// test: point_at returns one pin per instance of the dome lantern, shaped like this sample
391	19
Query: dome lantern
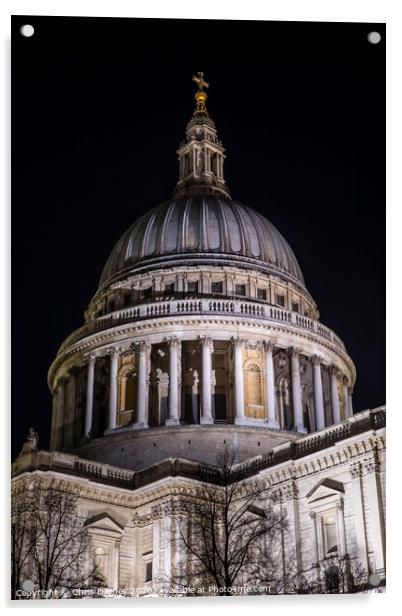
201	155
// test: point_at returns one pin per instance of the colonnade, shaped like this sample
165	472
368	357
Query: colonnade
143	350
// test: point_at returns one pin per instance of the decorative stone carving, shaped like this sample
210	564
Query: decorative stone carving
31	444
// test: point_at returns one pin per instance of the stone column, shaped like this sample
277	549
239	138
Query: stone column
314	519
58	427
116	564
69	417
270	386
53	432
355	497
336	415
174	346
144	348
341	530
291	544
373	511
90	396
180	282
156	552
238	380
114	362
296	392
346	398
167	547
350	403
318	397
206	391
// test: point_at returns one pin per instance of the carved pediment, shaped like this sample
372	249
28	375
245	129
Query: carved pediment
104	522
325	489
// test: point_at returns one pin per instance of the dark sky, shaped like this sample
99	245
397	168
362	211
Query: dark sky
99	108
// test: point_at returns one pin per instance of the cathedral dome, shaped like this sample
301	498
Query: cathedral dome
201	333
202	228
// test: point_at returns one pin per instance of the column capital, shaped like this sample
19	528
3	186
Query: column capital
268	346
356	470
206	341
294	352
316	360
114	351
64	379
339	505
173	343
370	466
334	370
345	380
143	346
89	359
313	515
238	343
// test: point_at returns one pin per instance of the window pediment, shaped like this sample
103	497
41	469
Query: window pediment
104	522
325	489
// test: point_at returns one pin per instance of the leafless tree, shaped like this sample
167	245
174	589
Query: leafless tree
229	536
50	546
334	575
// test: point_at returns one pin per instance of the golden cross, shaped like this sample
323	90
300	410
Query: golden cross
200	81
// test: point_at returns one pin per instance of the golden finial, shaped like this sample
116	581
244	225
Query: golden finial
200	96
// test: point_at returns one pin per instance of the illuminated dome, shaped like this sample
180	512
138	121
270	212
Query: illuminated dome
201	334
206	229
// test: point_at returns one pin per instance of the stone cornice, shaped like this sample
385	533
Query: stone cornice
139	328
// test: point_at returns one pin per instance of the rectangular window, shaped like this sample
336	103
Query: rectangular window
192	287
147	293
280	300
169	288
148	571
217	287
261	294
240	289
329	534
295	306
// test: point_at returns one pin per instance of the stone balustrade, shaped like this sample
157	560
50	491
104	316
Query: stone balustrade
362	422
205	306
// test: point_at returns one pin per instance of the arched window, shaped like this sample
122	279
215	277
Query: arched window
127	395
253	388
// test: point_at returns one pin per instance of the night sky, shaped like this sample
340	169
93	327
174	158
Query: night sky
99	108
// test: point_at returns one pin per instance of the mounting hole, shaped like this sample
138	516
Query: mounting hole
374	37
27	30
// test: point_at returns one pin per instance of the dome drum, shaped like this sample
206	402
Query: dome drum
198	373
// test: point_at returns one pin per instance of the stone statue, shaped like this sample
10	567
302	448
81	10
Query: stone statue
31	444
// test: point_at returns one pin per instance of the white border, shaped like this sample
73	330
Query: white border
388	11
